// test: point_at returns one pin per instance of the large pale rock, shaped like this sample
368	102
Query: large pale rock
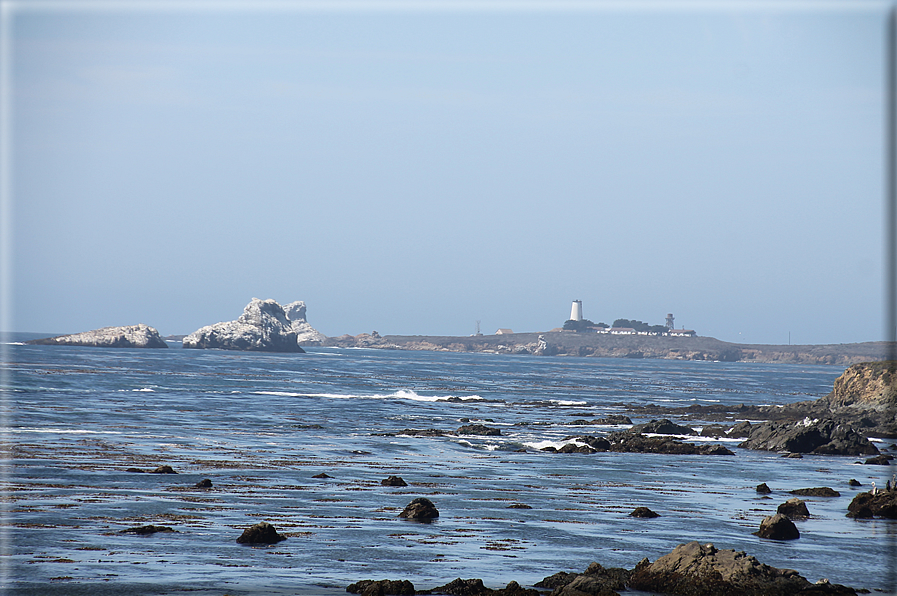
701	570
306	335
129	336
263	327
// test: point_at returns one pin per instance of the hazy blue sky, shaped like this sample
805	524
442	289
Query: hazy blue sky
414	171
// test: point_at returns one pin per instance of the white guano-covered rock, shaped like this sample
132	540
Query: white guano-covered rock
306	335
263	327
129	336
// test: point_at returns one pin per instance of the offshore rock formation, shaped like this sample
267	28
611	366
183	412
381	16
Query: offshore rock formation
130	336
263	327
810	436
306	335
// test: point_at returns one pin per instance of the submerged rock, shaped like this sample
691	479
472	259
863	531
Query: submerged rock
420	509
819	491
164	470
777	527
204	483
260	533
643	512
393	481
130	336
763	489
148	530
263	327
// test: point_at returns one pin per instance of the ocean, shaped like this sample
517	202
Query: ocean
262	426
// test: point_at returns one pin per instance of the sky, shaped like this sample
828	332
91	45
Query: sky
414	168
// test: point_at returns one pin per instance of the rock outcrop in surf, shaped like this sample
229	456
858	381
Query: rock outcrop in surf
263	327
129	336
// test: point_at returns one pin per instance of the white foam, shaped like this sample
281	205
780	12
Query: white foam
567	402
63	431
400	394
145	390
547	443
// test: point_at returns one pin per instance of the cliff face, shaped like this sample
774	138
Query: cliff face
865	385
262	327
129	336
306	335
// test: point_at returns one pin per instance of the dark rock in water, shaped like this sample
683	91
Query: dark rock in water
322	475
809	436
204	483
164	470
518	506
136	471
420	509
662	427
561	578
643	512
793	456
130	336
777	527
147	530
879	460
423	432
383	587
629	442
260	533
478	429
475	587
820	491
701	570
853	482
742	430
866	505
714	430
794	509
393	481
595	581
263	326
606	421
763	489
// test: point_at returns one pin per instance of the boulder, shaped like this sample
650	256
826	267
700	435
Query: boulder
595	581
383	587
820	436
853	482
420	509
393	481
130	336
164	470
777	527
763	489
794	508
643	512
478	429
204	483
742	430
322	475
306	335
701	570
662	427
263	327
878	460
866	505
260	533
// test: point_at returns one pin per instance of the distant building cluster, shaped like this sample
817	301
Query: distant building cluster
668	329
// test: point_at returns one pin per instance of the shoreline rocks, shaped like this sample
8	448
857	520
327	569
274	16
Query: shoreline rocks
263	327
817	436
129	336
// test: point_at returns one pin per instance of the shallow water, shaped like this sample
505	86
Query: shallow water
260	426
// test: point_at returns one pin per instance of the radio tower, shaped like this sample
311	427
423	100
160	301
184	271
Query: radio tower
670	321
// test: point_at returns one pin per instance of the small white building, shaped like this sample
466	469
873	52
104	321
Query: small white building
622	331
504	332
681	333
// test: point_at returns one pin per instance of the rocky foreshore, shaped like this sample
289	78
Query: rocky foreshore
129	336
690	569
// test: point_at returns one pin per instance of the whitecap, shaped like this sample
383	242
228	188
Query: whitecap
144	390
567	402
547	443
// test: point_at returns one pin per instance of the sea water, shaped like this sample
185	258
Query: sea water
261	426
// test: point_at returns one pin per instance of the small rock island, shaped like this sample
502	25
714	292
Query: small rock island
130	336
264	326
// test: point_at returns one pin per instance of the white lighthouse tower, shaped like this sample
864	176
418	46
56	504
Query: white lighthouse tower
576	311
